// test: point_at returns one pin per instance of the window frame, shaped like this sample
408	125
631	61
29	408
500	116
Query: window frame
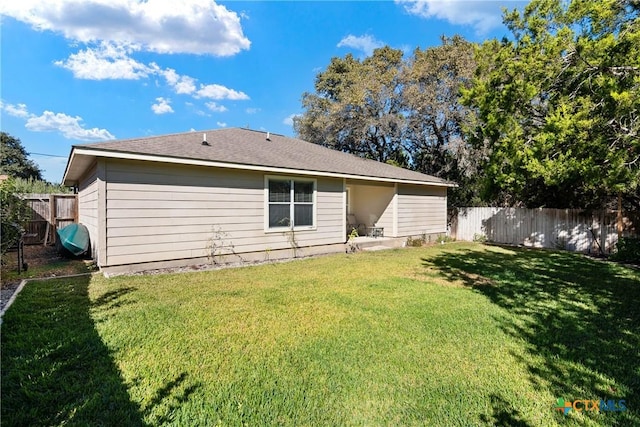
292	203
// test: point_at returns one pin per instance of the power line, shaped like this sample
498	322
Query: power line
46	155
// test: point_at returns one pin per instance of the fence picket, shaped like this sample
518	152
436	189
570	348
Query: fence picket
548	228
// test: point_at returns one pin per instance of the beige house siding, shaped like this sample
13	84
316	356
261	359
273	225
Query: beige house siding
88	206
157	212
421	209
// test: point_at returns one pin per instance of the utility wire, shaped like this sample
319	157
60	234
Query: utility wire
47	155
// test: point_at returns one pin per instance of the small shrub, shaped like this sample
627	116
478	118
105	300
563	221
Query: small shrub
351	243
219	245
479	238
415	242
31	185
445	239
628	250
14	214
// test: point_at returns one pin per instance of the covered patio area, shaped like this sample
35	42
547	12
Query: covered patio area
370	209
379	210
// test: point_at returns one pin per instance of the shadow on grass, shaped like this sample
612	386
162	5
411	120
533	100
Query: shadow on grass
112	299
56	368
579	318
504	414
169	398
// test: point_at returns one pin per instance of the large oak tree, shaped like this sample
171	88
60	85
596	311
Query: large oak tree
435	118
406	111
357	107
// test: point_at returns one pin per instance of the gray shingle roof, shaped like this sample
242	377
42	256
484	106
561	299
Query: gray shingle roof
248	147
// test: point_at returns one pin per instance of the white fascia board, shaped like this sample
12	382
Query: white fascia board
211	163
69	161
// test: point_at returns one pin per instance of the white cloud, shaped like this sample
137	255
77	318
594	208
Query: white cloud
108	61
181	84
252	110
366	44
69	127
162	106
19	110
289	119
221	124
215	107
215	91
482	15
163	26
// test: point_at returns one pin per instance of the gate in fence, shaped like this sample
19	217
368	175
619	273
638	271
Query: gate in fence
49	212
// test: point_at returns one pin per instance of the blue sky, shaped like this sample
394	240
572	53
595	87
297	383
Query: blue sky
78	71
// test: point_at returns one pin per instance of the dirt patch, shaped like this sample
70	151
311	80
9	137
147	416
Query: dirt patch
42	261
34	255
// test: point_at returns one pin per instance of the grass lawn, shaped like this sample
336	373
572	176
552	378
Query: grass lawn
459	334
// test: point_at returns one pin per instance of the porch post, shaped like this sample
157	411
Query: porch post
394	229
344	208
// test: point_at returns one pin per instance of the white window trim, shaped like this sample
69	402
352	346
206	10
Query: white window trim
312	227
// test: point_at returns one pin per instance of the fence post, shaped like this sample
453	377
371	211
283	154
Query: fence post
52	216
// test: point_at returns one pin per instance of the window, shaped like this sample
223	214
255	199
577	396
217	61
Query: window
290	198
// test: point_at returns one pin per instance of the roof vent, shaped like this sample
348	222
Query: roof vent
204	139
268	136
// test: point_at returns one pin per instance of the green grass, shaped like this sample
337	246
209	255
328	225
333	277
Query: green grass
459	334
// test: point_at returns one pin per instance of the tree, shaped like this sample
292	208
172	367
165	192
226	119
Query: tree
559	104
14	161
406	112
357	107
435	117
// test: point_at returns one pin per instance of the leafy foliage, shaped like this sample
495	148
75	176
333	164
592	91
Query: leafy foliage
14	214
357	107
405	112
435	138
558	104
432	82
32	185
548	117
14	159
628	249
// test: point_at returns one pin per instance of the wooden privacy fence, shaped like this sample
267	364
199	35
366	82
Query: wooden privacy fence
49	212
571	229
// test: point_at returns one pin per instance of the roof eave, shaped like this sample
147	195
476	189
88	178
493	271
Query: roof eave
92	152
65	179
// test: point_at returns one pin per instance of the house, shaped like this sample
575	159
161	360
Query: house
175	200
